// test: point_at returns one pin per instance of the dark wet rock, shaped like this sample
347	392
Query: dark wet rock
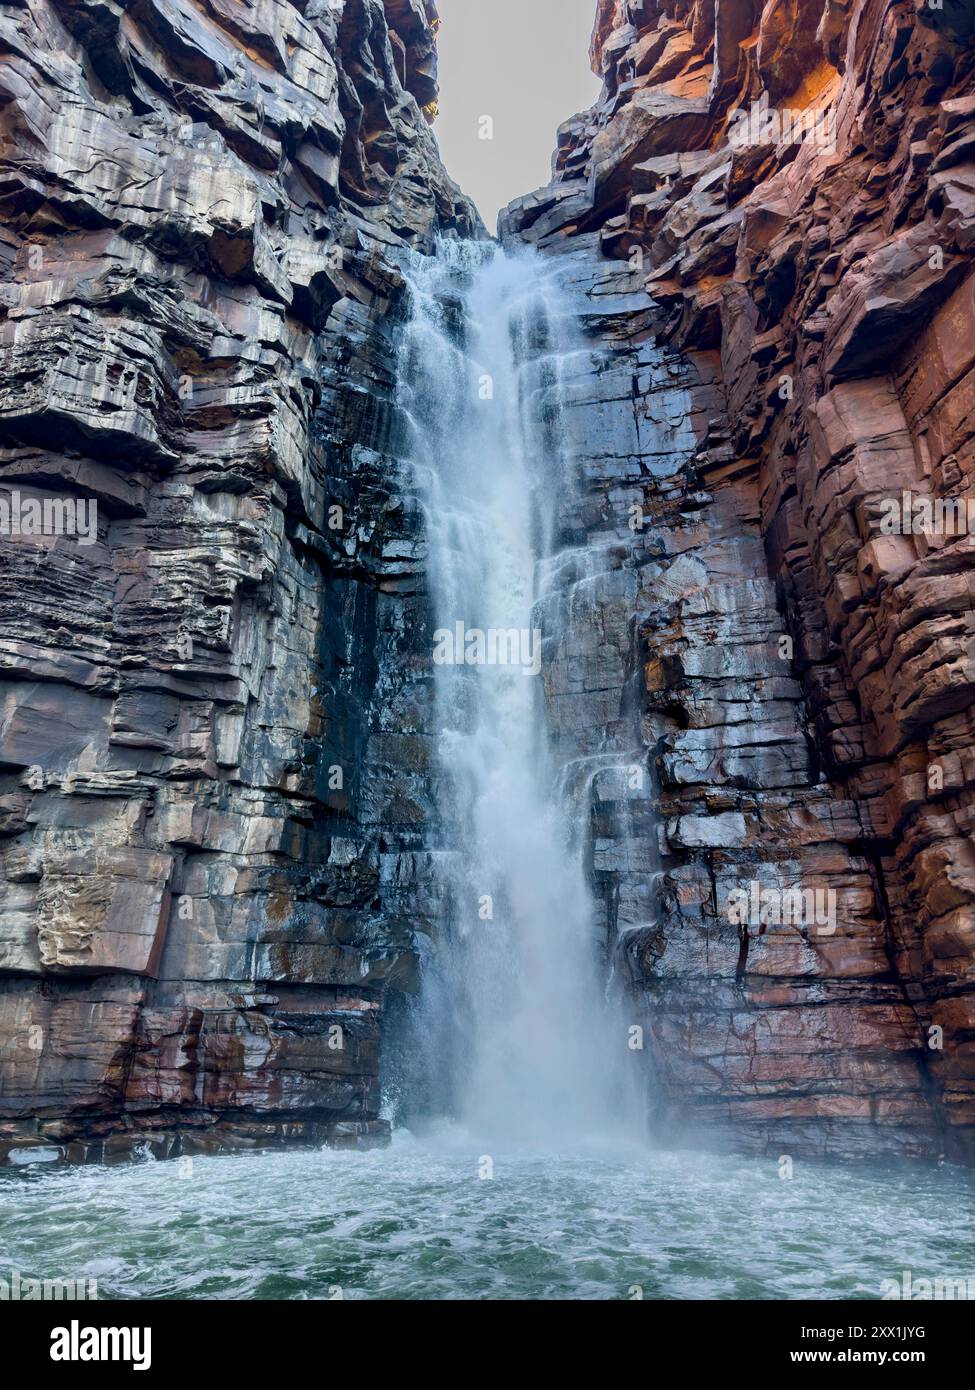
212	744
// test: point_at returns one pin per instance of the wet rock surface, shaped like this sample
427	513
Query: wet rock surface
213	742
789	329
216	760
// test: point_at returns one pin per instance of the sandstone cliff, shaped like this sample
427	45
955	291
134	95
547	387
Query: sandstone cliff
792	324
216	762
211	752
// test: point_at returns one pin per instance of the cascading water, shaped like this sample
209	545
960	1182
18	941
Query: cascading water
515	1021
525	1051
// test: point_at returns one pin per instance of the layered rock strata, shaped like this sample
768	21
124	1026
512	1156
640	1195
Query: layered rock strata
788	191
213	753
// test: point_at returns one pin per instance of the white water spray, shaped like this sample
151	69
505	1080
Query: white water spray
515	1004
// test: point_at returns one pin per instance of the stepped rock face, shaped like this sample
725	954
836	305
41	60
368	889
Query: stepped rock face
213	759
217	781
785	196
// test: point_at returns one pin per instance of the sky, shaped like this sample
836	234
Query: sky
524	64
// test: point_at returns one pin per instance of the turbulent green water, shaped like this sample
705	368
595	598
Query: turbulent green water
416	1222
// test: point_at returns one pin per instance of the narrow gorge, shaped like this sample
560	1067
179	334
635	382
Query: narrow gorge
474	639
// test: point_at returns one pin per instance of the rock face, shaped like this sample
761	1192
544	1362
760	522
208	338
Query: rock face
212	751
216	771
785	195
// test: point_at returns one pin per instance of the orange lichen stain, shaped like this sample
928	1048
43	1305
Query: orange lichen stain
711	282
818	88
278	909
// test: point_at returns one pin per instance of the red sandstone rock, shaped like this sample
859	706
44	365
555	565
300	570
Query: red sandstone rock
830	285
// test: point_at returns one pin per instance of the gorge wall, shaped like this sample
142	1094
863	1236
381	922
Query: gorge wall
792	327
211	751
216	760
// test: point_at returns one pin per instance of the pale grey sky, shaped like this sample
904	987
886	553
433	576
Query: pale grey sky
524	63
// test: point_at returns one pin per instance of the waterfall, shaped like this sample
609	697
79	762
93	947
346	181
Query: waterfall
522	1040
